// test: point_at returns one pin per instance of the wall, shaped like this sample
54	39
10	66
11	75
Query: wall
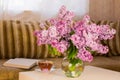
105	9
46	8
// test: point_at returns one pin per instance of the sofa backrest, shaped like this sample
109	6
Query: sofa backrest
17	40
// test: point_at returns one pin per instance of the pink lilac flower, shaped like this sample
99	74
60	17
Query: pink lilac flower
54	43
93	28
62	28
52	31
106	32
53	21
113	31
102	49
85	55
63	21
42	25
84	34
62	46
75	38
44	33
78	27
65	43
82	43
69	15
37	33
64	14
86	19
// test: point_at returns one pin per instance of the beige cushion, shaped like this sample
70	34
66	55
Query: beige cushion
17	39
26	16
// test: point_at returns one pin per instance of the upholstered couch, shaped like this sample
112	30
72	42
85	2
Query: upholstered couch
18	41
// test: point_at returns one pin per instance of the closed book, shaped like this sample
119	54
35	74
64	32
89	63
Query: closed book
21	63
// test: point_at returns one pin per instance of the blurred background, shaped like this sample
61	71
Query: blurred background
43	9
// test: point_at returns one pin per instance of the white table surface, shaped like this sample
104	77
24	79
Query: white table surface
90	73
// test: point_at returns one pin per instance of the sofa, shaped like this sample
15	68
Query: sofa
17	40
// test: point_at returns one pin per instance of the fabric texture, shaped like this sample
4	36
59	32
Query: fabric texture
17	40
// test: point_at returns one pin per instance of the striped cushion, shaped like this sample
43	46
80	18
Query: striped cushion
17	40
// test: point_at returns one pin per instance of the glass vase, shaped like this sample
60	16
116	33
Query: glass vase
72	70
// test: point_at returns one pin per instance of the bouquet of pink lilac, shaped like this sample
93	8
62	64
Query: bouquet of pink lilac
75	39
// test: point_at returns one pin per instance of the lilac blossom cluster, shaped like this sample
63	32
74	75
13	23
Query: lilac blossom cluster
84	35
88	36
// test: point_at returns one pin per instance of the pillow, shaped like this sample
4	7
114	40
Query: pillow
17	40
26	16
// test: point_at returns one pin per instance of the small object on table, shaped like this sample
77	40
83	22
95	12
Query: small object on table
45	65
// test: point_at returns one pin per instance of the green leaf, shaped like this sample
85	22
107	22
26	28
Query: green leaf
53	51
72	51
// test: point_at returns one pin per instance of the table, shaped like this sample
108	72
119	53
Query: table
90	73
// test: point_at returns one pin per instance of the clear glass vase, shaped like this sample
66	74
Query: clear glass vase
72	70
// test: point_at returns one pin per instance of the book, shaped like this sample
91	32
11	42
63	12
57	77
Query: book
21	63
